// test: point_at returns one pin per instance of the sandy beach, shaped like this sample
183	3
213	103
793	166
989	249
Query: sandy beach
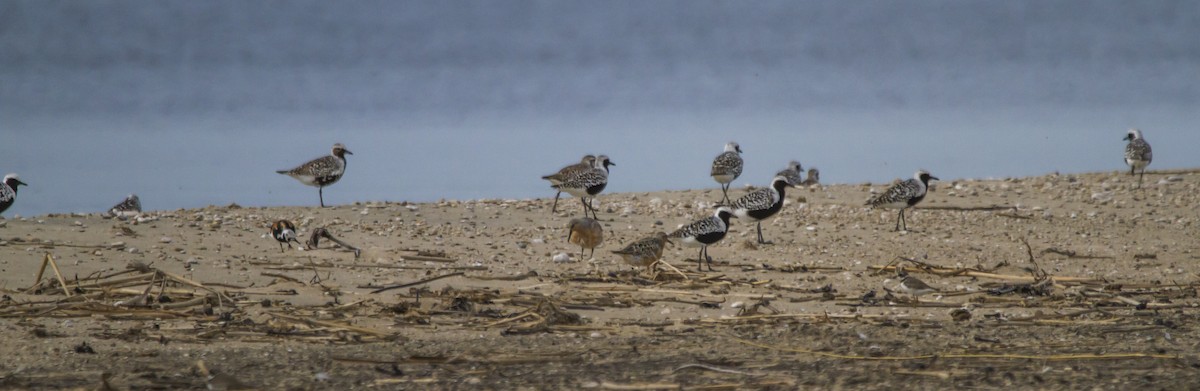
1059	281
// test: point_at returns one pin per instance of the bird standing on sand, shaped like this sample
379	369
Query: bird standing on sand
762	204
322	171
726	167
794	173
8	191
903	195
814	177
130	207
585	164
704	232
284	232
585	232
587	184
644	252
1137	154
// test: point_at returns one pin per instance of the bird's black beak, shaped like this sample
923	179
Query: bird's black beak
934	178
22	183
347	151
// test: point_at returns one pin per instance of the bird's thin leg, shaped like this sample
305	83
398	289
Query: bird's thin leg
760	237
321	193
281	247
700	260
708	258
1140	178
725	194
555	207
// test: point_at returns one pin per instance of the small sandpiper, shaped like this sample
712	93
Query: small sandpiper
322	171
903	195
585	232
726	167
644	252
704	232
284	232
8	191
1137	154
130	207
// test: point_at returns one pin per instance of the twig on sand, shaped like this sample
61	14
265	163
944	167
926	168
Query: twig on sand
980	356
431	279
715	368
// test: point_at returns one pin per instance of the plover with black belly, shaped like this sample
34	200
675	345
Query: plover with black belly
585	232
644	252
587	184
903	195
284	232
794	173
130	207
322	171
762	204
726	167
704	232
8	191
567	172
1137	154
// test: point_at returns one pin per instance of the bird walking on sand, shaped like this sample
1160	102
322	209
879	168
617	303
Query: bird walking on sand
587	184
1137	154
913	286
585	232
130	207
726	167
568	172
793	173
704	232
644	252
903	195
8	191
322	171
284	232
762	204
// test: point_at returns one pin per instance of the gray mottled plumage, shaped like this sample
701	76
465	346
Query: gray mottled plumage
130	207
903	195
793	173
761	204
322	171
645	251
1137	154
587	163
8	191
703	232
727	167
588	183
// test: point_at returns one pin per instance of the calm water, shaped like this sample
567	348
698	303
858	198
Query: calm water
190	104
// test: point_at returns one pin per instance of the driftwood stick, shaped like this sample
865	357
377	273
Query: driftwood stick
57	274
388	288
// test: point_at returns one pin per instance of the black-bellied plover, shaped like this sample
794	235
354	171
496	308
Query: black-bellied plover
644	252
814	177
322	171
8	191
794	173
284	231
585	232
130	207
587	184
903	195
762	204
704	232
1137	154
726	167
587	163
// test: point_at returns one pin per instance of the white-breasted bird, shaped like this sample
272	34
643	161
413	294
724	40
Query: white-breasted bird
322	171
726	167
1137	154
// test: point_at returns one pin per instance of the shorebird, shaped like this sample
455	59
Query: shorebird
726	167
1137	154
903	195
284	231
587	184
8	191
793	173
567	172
130	207
814	177
585	232
322	171
645	251
704	232
762	204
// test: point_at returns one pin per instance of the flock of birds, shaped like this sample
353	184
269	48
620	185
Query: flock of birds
588	178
